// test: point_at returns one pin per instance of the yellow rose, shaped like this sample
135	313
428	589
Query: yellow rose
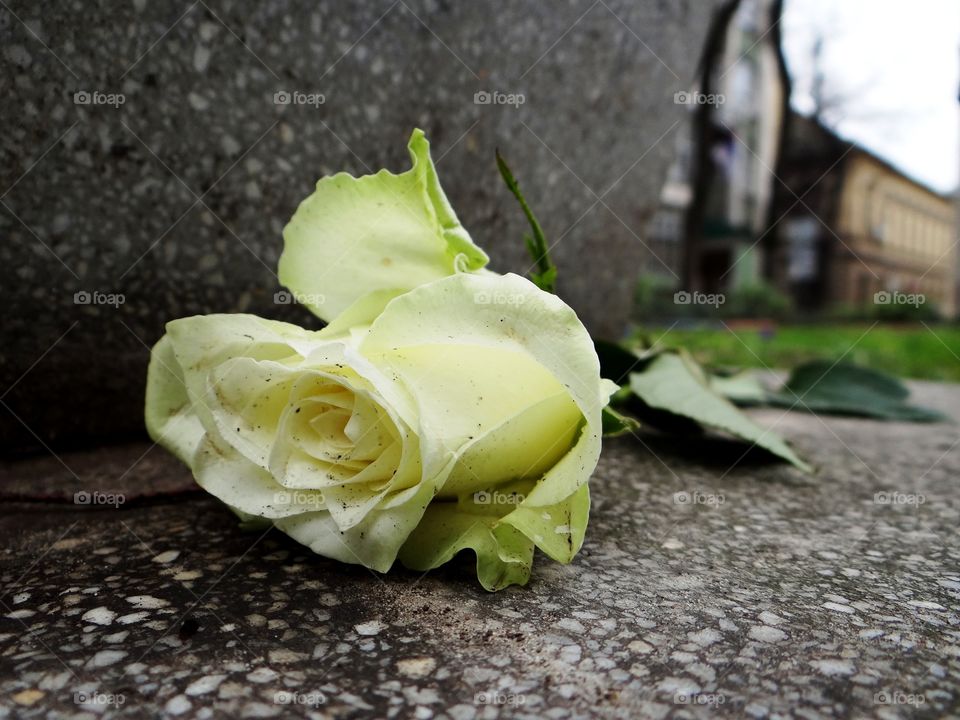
444	407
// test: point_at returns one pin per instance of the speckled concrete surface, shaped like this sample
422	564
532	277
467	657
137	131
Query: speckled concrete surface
175	199
701	591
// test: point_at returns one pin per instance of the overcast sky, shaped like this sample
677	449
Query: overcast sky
896	66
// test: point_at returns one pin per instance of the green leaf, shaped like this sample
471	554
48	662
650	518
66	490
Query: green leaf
743	389
546	276
847	389
615	424
674	384
546	280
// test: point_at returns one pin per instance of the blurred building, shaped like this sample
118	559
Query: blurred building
956	269
747	98
854	231
666	230
838	226
745	142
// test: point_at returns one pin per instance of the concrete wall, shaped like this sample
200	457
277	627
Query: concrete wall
175	198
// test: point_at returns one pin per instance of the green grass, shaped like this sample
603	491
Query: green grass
930	352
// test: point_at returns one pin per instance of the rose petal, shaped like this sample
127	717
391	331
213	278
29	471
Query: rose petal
383	232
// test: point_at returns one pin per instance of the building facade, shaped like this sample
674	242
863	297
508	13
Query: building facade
743	139
840	229
855	232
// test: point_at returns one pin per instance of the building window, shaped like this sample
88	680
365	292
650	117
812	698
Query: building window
801	234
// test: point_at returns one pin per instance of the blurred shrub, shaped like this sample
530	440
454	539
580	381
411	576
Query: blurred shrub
904	312
653	298
885	313
756	300
656	297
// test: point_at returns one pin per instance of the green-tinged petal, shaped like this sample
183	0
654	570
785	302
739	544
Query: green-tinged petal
504	555
202	342
463	392
245	486
508	315
374	541
246	398
169	414
537	334
553	493
273	415
359	315
505	312
556	529
175	412
382	232
525	446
